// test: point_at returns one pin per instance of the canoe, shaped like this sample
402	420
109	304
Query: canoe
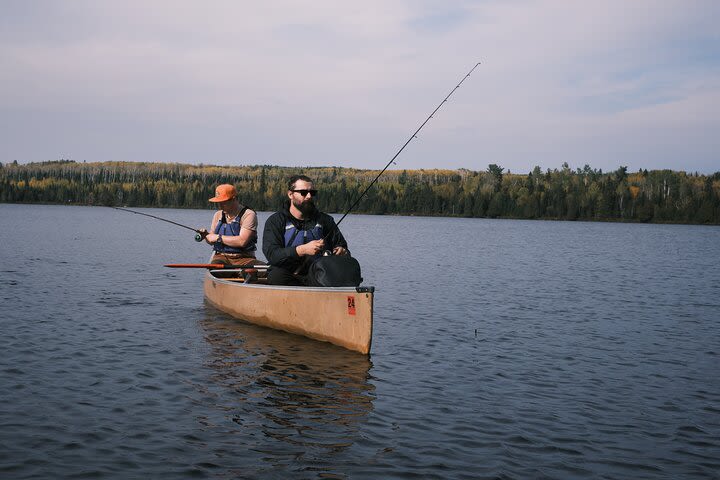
340	315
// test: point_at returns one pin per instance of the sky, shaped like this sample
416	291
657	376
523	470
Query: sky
333	83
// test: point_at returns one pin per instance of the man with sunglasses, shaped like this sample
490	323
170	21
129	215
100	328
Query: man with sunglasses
298	234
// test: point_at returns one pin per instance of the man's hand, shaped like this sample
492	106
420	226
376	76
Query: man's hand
310	248
339	251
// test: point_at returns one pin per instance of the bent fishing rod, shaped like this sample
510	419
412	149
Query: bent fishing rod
199	234
413	136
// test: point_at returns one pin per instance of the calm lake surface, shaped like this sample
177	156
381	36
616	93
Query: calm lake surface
501	349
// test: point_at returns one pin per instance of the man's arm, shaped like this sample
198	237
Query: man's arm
336	242
248	231
274	247
212	237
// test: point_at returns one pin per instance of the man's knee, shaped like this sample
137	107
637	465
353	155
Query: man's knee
280	276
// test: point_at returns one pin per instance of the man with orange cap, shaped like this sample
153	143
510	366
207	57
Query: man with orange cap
233	233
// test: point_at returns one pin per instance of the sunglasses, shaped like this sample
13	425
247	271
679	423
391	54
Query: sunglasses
304	193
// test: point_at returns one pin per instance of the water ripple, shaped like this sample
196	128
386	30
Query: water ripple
547	350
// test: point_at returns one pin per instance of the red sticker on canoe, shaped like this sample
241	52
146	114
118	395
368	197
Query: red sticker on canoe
351	305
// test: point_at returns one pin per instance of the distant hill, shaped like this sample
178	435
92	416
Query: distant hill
582	194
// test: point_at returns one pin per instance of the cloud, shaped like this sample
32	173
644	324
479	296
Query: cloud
331	83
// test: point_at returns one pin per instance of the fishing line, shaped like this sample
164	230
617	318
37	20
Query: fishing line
414	135
200	235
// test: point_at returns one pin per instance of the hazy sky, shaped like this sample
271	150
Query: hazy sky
610	83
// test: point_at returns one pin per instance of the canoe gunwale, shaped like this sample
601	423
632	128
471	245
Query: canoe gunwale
361	289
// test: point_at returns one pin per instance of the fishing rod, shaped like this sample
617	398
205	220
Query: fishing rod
199	234
414	135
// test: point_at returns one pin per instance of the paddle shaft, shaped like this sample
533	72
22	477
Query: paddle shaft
217	266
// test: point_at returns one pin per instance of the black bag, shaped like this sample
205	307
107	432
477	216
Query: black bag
334	271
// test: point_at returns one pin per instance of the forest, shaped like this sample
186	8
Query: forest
658	196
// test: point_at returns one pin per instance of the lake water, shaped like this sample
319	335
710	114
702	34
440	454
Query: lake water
501	349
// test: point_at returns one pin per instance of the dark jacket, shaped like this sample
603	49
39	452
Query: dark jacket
274	248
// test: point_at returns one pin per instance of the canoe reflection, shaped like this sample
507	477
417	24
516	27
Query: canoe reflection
303	395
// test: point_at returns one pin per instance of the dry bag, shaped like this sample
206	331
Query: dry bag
334	271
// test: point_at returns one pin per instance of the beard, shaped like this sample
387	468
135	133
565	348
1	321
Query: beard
307	207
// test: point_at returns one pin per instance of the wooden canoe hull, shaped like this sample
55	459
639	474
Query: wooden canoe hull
341	316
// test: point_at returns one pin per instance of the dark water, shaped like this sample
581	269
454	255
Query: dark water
502	349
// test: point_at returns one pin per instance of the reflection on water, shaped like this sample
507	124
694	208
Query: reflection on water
308	398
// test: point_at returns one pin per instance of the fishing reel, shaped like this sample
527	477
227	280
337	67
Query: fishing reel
200	235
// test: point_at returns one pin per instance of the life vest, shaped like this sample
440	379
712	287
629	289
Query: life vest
232	229
295	236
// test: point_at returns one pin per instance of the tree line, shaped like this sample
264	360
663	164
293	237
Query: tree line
664	196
